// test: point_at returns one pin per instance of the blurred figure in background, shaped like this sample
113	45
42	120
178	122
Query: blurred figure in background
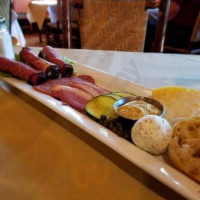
182	17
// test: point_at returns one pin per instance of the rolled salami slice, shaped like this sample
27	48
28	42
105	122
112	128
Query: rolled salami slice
51	70
48	53
22	71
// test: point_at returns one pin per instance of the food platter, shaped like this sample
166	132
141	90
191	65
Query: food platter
154	165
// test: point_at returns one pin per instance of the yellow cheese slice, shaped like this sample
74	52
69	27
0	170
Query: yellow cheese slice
179	101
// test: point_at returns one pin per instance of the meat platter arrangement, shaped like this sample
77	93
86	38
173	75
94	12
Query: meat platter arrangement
167	123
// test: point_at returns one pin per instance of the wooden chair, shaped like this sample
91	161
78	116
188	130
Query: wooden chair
113	25
54	31
194	39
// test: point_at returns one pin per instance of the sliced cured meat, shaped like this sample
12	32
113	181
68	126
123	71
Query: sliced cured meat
86	78
88	87
46	87
71	96
48	53
22	71
85	87
51	70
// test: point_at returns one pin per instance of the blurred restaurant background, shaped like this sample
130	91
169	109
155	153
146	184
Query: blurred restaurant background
120	25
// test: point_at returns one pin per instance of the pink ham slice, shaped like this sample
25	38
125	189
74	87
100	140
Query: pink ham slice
71	96
46	87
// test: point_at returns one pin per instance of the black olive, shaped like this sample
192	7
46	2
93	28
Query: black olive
120	133
126	136
110	126
120	129
114	129
105	123
111	120
101	121
118	125
103	117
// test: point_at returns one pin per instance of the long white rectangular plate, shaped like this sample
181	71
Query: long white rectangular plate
154	165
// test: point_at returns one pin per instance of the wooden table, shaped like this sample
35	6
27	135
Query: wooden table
43	156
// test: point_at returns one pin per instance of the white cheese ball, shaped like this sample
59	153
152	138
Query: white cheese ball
152	133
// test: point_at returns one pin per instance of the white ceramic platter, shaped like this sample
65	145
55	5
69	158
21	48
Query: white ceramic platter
154	165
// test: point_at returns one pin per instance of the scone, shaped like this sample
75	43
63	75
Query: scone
184	148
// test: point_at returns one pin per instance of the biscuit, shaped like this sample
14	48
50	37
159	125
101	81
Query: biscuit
184	147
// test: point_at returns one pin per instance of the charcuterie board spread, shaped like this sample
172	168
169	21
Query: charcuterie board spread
168	122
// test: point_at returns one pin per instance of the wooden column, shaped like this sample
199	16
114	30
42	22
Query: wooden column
66	24
161	25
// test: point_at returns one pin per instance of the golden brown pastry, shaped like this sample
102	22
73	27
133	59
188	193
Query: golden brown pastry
179	101
184	148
